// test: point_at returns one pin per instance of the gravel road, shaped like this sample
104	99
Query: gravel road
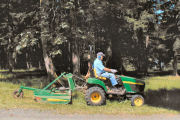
32	114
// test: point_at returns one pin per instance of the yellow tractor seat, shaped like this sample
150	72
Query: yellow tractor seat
99	77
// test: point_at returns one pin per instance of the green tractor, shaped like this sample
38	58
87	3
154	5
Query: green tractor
99	89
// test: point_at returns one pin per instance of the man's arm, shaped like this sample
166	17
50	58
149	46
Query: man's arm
101	67
107	69
110	70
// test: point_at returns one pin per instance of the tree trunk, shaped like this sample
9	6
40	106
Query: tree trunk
116	59
39	65
9	47
40	53
10	60
160	67
138	64
69	57
50	69
175	70
75	43
108	53
146	56
76	58
27	61
45	32
91	58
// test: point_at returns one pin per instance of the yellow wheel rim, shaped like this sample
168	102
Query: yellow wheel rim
95	97
138	101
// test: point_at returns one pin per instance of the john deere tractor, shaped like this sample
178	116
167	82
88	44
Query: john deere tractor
99	89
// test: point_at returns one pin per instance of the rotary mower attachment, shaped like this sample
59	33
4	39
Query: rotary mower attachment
50	94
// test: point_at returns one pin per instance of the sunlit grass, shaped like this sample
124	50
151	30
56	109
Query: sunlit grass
167	82
19	70
6	76
79	105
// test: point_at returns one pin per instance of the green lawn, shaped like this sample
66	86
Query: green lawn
79	105
6	76
167	82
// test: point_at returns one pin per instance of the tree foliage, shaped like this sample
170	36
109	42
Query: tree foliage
138	31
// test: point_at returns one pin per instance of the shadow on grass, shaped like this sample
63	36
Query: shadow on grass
164	98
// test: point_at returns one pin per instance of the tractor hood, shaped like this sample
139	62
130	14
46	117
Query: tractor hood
132	84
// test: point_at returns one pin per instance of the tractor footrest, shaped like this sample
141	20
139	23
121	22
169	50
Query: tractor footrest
117	92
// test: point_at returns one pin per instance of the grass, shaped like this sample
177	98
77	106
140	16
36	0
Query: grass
6	76
167	82
79	105
19	70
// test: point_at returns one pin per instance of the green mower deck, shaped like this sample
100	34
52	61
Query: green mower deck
52	95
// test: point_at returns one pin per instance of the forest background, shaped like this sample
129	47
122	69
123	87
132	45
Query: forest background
58	35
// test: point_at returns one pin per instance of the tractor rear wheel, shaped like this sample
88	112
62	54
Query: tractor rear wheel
137	100
95	96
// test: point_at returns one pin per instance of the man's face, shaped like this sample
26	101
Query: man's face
102	57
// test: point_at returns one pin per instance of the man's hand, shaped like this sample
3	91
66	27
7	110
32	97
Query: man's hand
114	71
110	70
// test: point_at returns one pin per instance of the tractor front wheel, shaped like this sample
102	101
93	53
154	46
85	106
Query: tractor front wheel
137	100
95	96
16	94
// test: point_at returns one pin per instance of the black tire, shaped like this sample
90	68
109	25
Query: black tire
137	100
94	92
16	94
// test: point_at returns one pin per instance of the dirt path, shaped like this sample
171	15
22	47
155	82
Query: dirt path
31	114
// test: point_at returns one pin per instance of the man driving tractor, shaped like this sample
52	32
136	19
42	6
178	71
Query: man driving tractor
101	71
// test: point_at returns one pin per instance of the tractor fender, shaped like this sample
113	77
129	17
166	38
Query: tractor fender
94	81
